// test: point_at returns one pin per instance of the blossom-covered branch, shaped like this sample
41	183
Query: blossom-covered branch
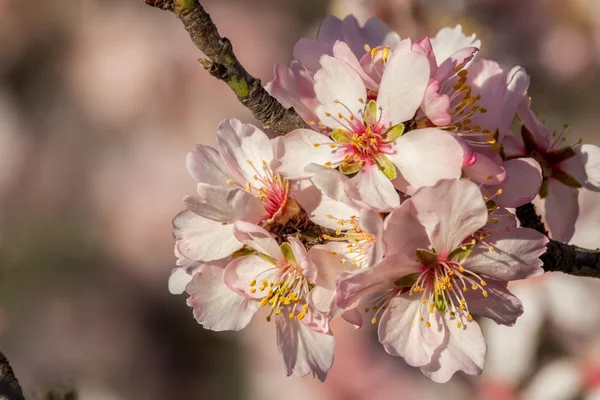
559	256
224	65
9	385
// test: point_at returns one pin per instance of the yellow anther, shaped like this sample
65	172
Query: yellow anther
367	48
317	145
305	309
491	249
327	114
264	302
474	287
374	52
229	181
461	269
343	260
336	101
458	325
300	316
367	309
469	317
277	312
484	293
483	283
248	187
291	315
499	192
374	320
253	282
328	164
428	324
253	290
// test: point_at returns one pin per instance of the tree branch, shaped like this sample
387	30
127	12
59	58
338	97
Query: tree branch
559	256
9	385
224	65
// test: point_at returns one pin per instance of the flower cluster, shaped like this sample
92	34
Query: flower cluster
396	207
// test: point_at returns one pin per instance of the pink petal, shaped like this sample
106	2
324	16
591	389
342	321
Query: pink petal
522	184
308	268
244	149
561	210
215	306
354	317
178	280
303	350
425	156
404	232
352	286
202	239
515	255
403	84
450	212
376	190
225	204
512	146
343	52
319	207
297	149
464	351
309	51
436	106
374	33
258	238
205	165
540	132
500	305
293	87
402	332
485	170
328	259
423	46
460	57
240	272
575	166
517	85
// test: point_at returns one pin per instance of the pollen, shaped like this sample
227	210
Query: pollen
317	145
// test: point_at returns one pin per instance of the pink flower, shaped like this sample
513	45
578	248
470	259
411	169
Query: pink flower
441	268
367	134
283	279
565	169
234	183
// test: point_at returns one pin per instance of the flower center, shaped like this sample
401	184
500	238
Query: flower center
285	287
442	286
360	242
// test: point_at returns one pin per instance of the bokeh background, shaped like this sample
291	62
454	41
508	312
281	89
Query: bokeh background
100	100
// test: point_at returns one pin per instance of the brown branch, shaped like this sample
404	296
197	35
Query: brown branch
9	385
559	256
224	65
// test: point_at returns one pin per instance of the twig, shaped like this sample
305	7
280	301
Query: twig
9	385
224	65
559	256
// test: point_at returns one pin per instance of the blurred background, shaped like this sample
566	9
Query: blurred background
100	100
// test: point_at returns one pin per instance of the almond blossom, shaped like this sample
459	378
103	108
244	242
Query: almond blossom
565	169
438	273
367	134
280	278
234	183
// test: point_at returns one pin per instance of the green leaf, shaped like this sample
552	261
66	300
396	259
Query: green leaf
244	251
286	249
565	178
393	133
349	168
408	280
461	253
341	136
427	257
370	117
385	165
560	155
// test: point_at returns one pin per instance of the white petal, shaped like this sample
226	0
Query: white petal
202	239
561	209
450	40
403	84
205	165
258	238
215	306
303	350
225	204
376	190
178	280
244	149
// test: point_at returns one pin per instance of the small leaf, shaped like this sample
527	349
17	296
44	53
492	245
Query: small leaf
385	165
370	117
408	280
244	251
565	178
286	249
461	253
427	257
349	168
341	136
560	155
393	133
